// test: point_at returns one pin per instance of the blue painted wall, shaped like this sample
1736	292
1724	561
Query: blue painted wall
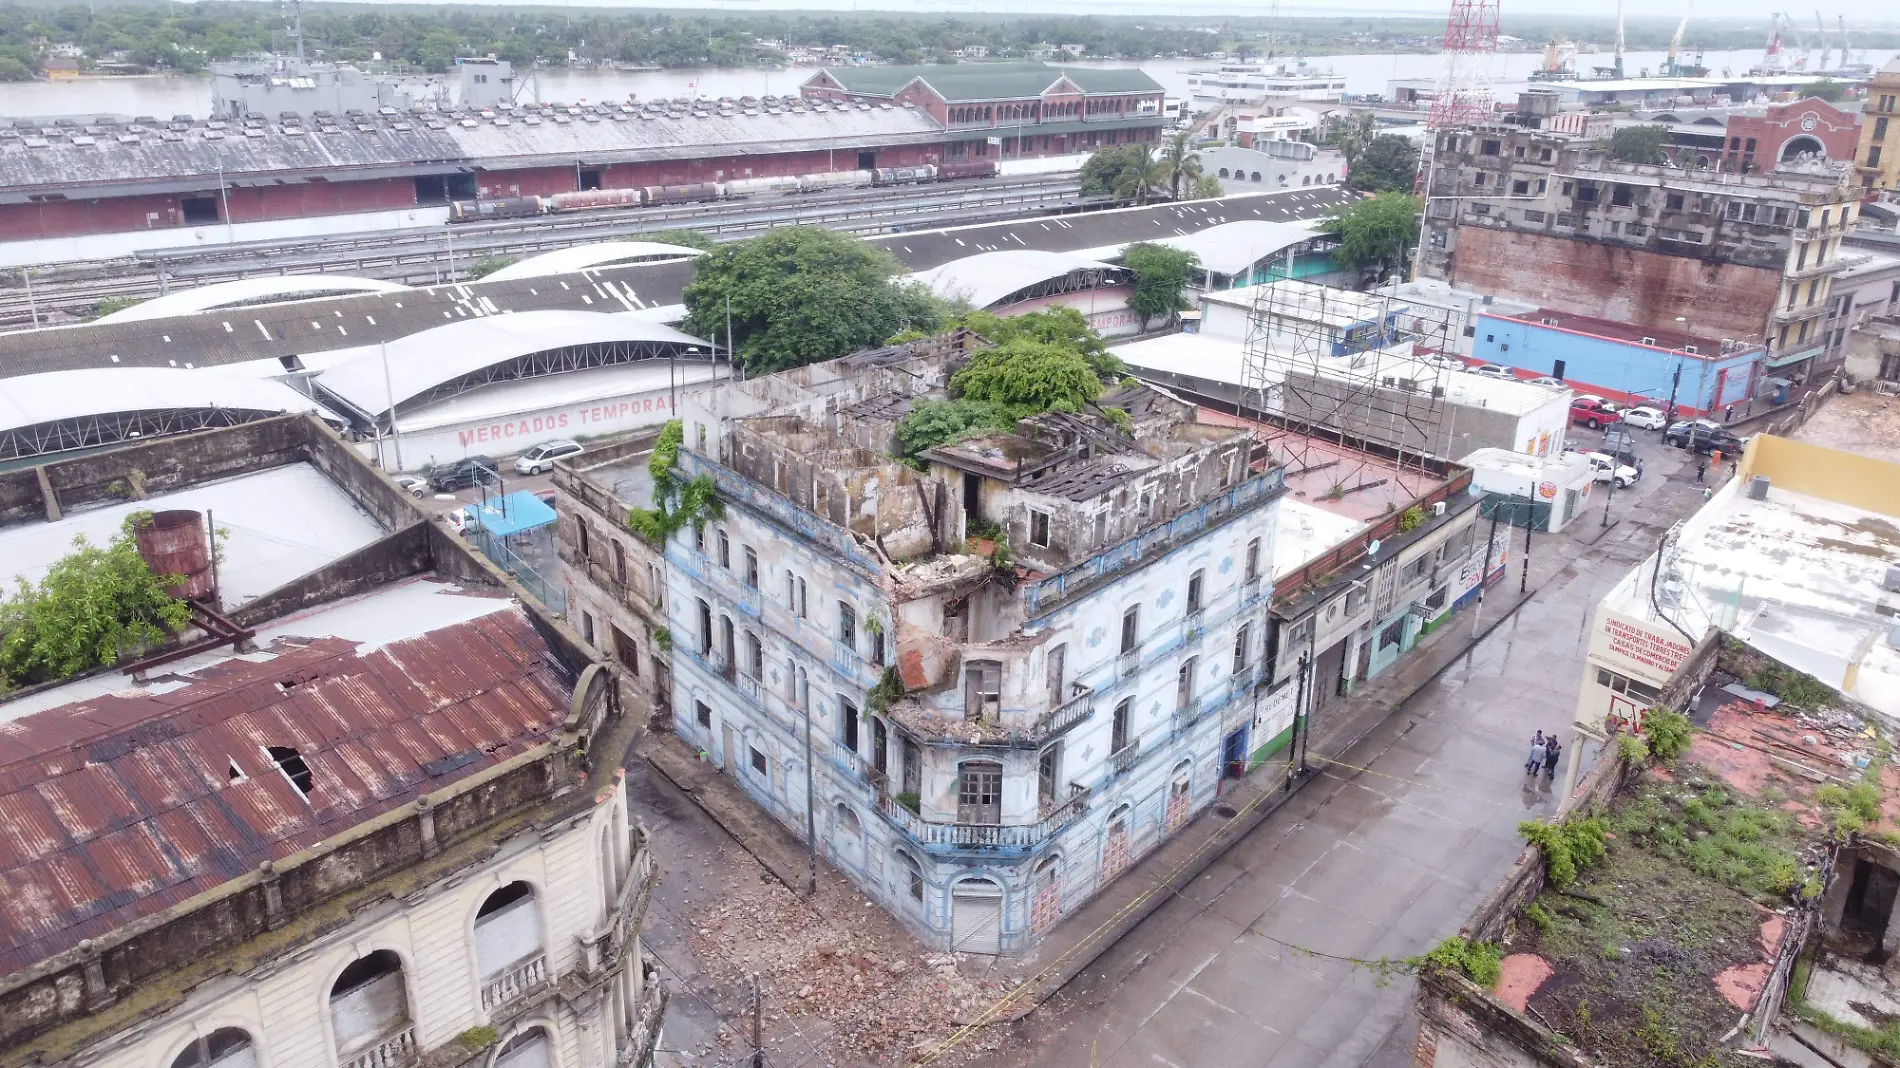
1616	370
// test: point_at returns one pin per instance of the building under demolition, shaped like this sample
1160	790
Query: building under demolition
985	687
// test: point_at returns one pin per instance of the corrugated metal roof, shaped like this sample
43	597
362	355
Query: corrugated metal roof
992	81
121	806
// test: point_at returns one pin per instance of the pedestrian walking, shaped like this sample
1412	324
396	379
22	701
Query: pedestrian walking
1552	751
1728	414
1536	761
1731	465
1701	469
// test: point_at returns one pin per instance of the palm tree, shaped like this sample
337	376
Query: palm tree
1357	137
1181	163
1141	174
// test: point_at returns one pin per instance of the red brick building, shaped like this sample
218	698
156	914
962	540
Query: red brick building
1758	142
1010	109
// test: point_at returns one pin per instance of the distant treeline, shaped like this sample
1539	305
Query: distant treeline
189	36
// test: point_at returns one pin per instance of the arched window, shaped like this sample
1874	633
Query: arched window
847	836
227	1047
369	1011
1256	177
508	951
529	1049
1223	172
913	876
1306	179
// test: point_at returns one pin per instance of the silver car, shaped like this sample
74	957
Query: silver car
541	457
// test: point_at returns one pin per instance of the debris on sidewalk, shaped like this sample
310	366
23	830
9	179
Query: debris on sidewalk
837	975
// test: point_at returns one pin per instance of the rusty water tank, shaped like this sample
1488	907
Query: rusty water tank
173	543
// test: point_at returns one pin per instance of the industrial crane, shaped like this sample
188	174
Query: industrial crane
1827	47
1673	66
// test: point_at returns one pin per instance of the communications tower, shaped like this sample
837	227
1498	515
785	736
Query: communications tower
1464	86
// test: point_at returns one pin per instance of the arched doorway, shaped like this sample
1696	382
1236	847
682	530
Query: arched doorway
508	951
976	916
369	1011
1115	846
529	1049
847	837
1179	795
227	1047
1045	908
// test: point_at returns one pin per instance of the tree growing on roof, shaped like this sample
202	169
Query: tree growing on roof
1060	325
1161	275
798	295
1376	233
1639	144
96	604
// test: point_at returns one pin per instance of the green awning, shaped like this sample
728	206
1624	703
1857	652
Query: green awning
1788	358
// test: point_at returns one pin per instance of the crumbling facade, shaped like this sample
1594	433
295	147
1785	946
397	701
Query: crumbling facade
616	582
1548	218
988	686
380	825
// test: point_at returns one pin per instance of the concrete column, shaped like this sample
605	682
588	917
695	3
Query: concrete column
587	1016
1890	941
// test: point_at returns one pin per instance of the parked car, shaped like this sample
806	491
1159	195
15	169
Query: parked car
541	457
463	473
1646	418
1553	383
1702	435
457	519
1494	370
416	486
1592	412
1619	443
1604	468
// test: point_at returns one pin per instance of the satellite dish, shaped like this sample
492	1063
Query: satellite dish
1372	549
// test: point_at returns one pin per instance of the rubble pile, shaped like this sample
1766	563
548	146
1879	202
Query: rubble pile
837	975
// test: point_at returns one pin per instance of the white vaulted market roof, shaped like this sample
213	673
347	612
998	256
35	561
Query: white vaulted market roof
423	361
54	396
272	289
987	277
587	257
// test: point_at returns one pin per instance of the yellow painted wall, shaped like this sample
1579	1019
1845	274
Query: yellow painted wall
1843	477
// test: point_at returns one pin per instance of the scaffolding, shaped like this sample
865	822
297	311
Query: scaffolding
1330	373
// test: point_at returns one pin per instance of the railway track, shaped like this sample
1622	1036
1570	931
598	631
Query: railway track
444	253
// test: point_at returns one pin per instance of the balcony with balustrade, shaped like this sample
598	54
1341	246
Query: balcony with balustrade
398	1050
514	983
958	837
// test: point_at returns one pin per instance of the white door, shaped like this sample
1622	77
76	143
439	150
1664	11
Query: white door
976	917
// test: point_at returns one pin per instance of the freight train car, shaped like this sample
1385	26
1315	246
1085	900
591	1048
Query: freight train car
884	176
966	168
503	208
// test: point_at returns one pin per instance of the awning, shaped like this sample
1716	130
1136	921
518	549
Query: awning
1789	358
512	514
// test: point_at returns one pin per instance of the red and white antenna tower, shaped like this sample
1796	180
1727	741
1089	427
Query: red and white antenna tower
1464	87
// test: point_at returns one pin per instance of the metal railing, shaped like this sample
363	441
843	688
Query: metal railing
1062	717
1128	664
985	835
643	875
523	978
1124	758
551	594
396	1051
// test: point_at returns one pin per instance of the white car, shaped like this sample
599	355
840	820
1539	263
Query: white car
1553	383
541	457
457	519
1493	370
1604	467
1646	417
417	487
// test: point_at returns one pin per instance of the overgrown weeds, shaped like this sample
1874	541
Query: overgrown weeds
1568	847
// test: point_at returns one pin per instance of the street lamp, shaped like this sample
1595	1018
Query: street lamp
1675	379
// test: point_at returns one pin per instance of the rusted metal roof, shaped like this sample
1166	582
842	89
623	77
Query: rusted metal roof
122	806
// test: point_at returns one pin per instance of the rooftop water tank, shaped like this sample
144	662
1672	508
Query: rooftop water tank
173	543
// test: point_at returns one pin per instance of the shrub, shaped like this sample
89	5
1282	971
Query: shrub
1411	519
1568	847
1668	733
1476	961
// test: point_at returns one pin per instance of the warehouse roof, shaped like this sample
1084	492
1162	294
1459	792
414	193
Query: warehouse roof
286	332
30	400
591	256
377	376
131	802
989	81
250	292
204	155
987	277
1233	247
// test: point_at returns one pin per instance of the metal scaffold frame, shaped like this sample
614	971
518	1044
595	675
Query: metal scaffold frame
1383	403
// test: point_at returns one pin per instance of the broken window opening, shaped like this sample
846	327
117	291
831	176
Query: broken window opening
291	763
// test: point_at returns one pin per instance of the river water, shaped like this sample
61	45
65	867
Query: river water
163	96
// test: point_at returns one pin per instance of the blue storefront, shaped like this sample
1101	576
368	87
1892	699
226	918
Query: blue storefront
1622	362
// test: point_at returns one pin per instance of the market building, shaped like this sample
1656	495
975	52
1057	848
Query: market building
1009	110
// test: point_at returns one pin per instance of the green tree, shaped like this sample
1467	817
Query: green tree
1823	90
1356	136
1026	377
488	266
95	603
1207	187
1161	274
1388	165
798	295
1182	163
934	423
1125	172
1377	232
1062	326
1638	144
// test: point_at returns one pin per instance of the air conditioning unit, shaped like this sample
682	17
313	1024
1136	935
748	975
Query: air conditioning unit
1438	508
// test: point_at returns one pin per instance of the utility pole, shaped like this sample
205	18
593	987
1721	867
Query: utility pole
389	397
811	811
758	1050
31	304
1484	573
1530	520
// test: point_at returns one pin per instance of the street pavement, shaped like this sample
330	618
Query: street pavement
1258	962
